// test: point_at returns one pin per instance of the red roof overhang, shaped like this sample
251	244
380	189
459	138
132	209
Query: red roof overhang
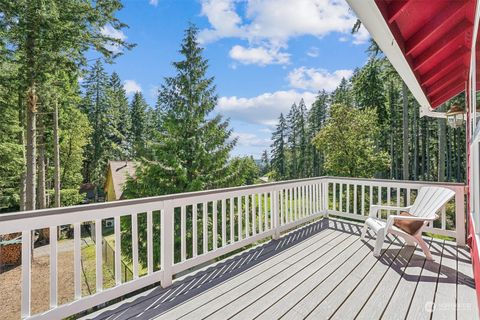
434	38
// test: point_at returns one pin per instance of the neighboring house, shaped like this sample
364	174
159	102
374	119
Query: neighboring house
264	179
117	174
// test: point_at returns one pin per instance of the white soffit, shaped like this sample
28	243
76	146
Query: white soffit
371	17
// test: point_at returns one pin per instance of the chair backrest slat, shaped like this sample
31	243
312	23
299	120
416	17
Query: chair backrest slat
429	200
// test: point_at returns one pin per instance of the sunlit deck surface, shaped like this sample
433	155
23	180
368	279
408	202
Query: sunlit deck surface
320	271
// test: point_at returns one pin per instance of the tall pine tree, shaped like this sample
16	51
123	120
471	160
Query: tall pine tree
118	117
193	147
95	105
316	120
279	161
138	109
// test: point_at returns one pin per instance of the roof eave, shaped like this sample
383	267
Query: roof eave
373	20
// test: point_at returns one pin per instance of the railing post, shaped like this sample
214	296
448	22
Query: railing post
167	244
325	198
460	215
276	224
26	273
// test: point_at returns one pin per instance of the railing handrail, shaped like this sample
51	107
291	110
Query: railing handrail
176	196
413	182
132	202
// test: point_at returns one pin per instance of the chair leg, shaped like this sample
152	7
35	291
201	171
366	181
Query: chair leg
410	241
423	245
379	242
364	231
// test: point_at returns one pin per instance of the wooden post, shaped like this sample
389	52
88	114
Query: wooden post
460	216
276	224
406	175
167	244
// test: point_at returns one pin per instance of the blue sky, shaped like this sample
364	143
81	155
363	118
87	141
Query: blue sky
264	54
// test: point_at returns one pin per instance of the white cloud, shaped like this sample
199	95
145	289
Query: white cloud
223	18
153	2
313	52
109	31
251	140
268	25
263	109
259	55
276	21
316	79
131	86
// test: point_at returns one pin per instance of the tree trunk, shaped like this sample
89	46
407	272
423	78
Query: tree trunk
406	175
392	132
31	108
449	154
415	144
427	151
442	132
21	141
459	161
56	156
31	165
424	149
43	235
41	193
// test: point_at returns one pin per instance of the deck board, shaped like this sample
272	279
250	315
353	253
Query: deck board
446	281
312	291
232	301
378	300
317	272
355	301
321	271
467	307
421	305
329	302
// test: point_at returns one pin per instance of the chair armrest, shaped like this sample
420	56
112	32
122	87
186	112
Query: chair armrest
375	208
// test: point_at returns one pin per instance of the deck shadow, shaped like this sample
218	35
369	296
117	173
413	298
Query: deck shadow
160	300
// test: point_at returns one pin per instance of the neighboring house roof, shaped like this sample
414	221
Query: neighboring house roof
120	171
264	179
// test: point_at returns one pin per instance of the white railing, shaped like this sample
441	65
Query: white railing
352	198
199	227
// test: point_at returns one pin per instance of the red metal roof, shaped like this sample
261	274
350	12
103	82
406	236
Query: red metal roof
435	37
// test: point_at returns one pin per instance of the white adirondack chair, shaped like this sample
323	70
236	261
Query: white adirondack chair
428	202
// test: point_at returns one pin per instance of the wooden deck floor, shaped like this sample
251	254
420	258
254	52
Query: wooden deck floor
322	271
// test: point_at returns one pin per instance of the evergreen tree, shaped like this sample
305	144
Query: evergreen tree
265	163
292	141
279	163
119	118
138	110
96	107
43	36
300	123
368	89
316	120
75	133
192	148
11	147
342	94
